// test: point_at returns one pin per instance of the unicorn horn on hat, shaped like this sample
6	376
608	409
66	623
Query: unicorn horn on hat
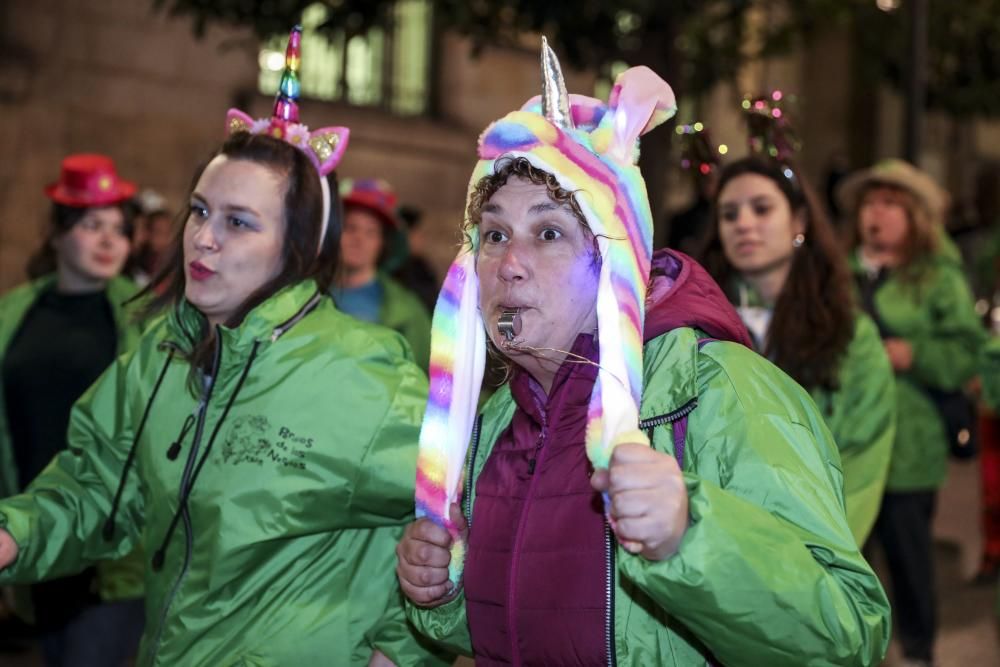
555	99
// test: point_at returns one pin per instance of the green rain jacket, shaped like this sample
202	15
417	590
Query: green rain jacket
937	317
14	305
121	579
768	572
300	454
402	311
861	414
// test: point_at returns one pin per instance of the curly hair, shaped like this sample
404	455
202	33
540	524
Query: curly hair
508	167
814	316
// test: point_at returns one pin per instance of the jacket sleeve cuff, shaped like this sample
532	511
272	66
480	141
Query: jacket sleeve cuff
445	625
17	525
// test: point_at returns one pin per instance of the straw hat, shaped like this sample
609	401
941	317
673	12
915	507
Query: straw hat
899	174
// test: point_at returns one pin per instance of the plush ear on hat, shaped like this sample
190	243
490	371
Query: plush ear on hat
639	101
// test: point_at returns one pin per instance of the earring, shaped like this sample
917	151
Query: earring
799	240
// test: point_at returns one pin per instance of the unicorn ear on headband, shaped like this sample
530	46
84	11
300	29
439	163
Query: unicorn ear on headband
324	147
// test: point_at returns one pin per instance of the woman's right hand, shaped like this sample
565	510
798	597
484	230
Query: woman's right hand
8	549
423	557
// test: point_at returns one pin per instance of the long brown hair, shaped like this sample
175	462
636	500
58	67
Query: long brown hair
813	319
303	205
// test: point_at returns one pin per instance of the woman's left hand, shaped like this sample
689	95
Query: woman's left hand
900	353
649	502
379	660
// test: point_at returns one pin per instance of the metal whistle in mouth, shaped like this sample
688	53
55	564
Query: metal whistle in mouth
509	324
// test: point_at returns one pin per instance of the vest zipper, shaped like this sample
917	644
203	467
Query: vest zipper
609	595
532	462
512	585
476	425
185	480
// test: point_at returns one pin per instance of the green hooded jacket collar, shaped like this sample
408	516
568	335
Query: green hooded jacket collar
264	324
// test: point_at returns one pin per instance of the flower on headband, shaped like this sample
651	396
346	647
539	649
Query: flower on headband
260	126
297	135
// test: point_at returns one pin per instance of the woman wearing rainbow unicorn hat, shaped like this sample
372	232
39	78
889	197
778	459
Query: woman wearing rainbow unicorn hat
269	528
644	489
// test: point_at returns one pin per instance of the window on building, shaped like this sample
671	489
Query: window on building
387	67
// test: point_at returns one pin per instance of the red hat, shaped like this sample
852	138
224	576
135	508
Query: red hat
89	180
373	194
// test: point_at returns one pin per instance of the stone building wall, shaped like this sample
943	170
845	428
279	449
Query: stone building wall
111	76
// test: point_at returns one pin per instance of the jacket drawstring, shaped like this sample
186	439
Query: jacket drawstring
160	554
109	525
175	447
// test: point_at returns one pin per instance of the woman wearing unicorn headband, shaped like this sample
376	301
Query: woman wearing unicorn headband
725	541
268	528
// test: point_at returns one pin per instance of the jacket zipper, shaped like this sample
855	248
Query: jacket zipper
609	539
669	417
185	480
280	330
476	425
512	586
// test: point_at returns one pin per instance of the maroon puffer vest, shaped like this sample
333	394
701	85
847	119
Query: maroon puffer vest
535	576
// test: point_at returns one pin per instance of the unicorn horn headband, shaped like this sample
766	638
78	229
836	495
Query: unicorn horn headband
324	147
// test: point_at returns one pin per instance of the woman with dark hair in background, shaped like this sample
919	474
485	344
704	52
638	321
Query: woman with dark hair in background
268	520
775	255
911	284
416	272
154	235
58	333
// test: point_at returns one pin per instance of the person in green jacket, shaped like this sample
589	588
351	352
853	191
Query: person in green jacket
73	302
700	522
914	289
773	249
372	245
269	521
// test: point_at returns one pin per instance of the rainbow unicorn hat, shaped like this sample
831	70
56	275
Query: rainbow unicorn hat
591	148
324	147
